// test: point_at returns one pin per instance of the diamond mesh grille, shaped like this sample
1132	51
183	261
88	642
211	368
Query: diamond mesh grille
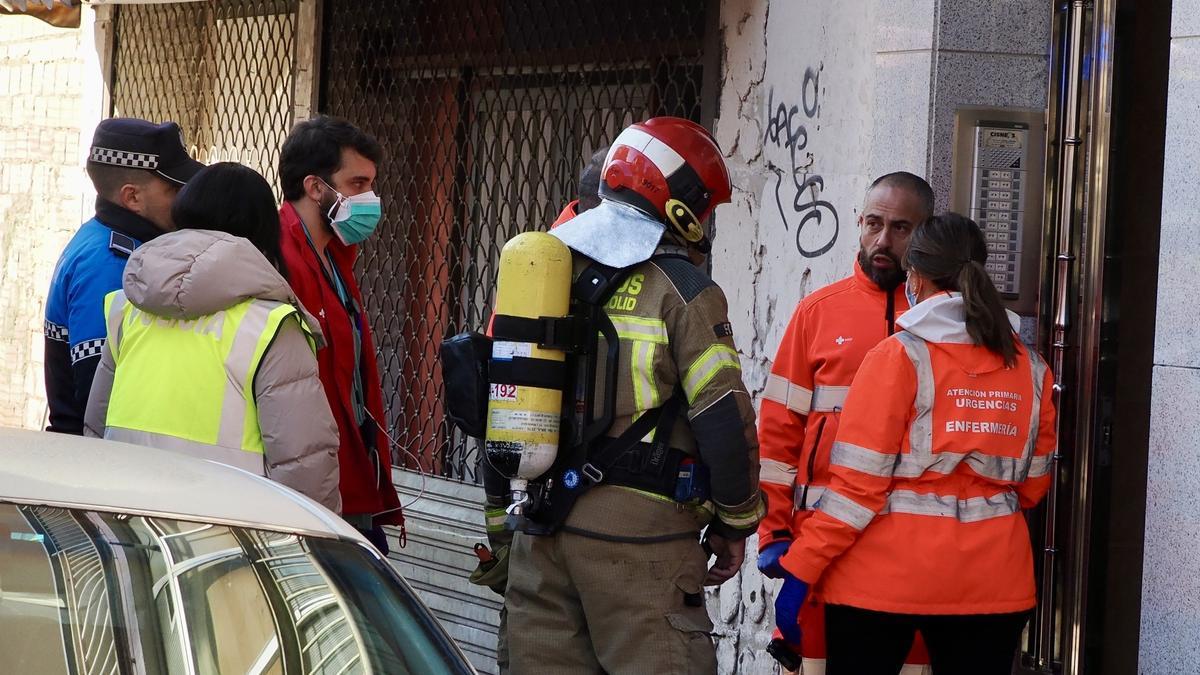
486	110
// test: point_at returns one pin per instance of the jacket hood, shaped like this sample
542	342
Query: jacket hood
940	320
191	273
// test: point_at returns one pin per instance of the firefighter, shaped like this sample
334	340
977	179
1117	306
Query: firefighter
618	588
946	437
830	332
492	570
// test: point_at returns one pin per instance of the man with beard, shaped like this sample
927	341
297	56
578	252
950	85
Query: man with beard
830	333
327	169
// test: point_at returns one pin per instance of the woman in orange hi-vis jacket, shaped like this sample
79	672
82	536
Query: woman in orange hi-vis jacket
947	435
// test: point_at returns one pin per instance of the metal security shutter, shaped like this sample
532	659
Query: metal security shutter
486	111
442	527
223	70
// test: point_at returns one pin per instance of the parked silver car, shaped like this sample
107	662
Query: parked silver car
121	559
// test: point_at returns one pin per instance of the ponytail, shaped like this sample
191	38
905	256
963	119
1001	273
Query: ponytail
949	249
987	321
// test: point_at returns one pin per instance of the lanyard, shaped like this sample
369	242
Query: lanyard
333	277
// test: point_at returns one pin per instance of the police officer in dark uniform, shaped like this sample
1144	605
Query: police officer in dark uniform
137	168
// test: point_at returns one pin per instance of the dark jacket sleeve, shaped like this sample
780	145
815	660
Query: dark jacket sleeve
719	409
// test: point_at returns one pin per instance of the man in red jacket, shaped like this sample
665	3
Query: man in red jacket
327	171
830	333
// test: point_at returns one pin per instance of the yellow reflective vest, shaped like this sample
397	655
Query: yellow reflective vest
188	385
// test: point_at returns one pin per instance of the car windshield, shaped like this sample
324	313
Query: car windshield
92	592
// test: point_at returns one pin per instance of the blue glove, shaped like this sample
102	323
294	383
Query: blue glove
768	559
787	608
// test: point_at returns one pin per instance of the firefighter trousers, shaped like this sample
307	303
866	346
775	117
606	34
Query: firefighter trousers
578	604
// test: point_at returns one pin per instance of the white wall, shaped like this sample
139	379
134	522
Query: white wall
858	89
40	195
798	121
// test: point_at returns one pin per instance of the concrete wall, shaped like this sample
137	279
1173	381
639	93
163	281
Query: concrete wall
817	99
40	185
52	95
1170	640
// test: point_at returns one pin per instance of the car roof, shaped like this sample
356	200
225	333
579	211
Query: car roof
89	473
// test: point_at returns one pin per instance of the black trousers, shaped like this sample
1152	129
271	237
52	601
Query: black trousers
863	642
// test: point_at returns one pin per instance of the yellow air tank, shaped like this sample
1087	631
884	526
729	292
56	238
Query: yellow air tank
523	421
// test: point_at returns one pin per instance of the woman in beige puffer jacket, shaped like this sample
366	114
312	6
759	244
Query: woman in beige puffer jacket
225	252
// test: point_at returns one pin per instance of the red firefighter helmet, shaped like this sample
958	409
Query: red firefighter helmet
664	172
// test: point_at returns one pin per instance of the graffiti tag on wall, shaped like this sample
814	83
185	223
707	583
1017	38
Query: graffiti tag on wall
798	190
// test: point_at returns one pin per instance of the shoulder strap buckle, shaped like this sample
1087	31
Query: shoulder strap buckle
593	473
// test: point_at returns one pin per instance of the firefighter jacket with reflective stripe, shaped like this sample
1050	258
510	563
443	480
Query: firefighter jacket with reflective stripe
208	357
830	333
675	339
939	450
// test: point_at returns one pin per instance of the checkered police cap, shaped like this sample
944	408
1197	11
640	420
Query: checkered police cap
130	160
137	144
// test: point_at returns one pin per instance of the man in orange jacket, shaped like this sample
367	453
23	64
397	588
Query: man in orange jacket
830	333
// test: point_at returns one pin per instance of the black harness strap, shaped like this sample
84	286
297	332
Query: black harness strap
647	466
586	456
524	371
547	332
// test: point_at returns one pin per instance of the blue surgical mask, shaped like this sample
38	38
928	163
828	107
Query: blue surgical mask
355	218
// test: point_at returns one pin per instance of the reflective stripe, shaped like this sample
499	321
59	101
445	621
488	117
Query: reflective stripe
705	368
645	394
921	458
807	501
494	519
796	398
243	459
637	328
921	433
1013	469
828	398
1040	465
743	520
645	391
703	510
969	510
239	359
863	459
776	472
114	308
660	154
845	509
